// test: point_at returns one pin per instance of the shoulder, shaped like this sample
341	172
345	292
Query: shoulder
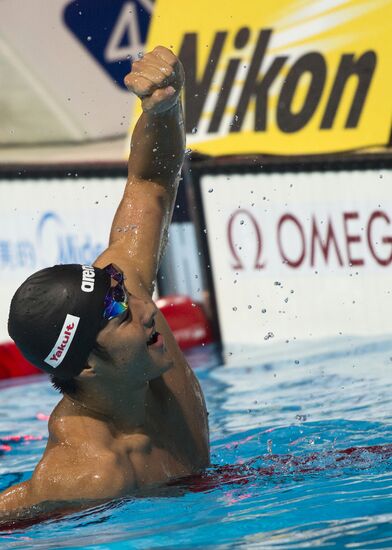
76	465
68	475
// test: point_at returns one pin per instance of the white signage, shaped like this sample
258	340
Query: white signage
60	349
62	66
300	255
48	222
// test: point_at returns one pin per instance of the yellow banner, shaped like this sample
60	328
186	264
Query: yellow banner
288	77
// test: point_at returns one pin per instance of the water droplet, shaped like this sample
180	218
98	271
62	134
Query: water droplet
234	308
263	310
89	38
249	307
242	222
210	190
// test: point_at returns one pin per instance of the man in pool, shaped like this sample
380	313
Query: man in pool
132	415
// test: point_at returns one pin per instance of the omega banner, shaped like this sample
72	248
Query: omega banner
300	255
287	77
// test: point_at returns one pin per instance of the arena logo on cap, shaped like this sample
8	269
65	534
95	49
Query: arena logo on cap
88	279
61	347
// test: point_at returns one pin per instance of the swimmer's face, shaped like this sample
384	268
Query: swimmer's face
125	339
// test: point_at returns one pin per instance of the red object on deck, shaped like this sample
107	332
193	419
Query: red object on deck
186	319
13	364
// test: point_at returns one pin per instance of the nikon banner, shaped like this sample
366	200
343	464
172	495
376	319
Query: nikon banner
288	77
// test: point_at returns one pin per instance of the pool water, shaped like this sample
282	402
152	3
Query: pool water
301	445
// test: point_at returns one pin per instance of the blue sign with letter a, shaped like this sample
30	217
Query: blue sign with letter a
113	31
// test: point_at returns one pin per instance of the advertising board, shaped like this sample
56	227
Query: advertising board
288	77
299	255
62	65
65	217
47	222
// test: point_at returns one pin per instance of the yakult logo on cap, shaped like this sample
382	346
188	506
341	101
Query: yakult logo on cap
88	278
61	347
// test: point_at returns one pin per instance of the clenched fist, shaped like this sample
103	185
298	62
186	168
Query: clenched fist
156	79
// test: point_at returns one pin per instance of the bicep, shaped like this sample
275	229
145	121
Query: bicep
50	492
181	379
66	476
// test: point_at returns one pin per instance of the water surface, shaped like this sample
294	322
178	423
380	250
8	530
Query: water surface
301	446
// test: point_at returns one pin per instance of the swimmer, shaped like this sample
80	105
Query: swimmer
132	414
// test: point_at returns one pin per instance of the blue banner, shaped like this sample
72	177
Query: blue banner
113	31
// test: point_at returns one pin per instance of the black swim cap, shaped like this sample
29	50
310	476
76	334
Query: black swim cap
56	314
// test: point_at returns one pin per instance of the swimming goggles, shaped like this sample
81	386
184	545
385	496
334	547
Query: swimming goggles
116	299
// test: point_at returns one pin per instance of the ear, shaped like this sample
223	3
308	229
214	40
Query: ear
87	373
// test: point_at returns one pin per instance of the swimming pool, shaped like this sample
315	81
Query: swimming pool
288	438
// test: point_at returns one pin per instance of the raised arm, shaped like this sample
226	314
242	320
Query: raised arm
140	225
141	222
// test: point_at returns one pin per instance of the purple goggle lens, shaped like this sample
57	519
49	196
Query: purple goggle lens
116	299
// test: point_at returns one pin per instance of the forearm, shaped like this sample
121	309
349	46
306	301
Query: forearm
157	147
141	222
14	499
18	504
25	517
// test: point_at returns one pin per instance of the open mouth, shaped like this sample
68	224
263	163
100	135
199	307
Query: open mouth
153	338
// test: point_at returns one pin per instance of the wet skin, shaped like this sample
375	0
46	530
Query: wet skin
151	422
93	451
125	339
139	418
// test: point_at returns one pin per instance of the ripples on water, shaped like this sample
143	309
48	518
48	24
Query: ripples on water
301	447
